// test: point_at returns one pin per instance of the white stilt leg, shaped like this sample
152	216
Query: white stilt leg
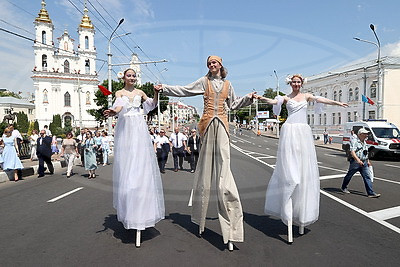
138	238
290	231
190	199
301	230
230	245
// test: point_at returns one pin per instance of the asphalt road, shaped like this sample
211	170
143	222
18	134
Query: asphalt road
81	229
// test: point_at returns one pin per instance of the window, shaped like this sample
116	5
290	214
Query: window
312	119
371	114
320	119
348	116
334	118
87	98
30	111
67	99
43	37
86	42
340	96
326	95
44	62
324	118
308	119
350	98
45	97
339	118
87	66
65	45
66	66
356	94
335	95
355	115
372	90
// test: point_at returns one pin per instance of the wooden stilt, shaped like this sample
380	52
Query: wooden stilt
230	246
290	231
138	238
301	230
190	199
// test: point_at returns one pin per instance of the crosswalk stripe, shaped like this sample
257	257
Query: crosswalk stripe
386	214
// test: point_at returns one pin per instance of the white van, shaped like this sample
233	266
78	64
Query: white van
383	139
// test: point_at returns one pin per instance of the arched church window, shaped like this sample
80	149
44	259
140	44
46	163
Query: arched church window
66	66
87	66
87	98
44	62
86	42
356	94
65	45
373	90
67	99
335	95
45	97
340	96
43	37
350	98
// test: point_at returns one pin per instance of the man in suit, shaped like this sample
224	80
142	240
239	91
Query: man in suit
193	149
44	153
178	145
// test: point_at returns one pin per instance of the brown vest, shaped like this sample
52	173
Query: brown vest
214	107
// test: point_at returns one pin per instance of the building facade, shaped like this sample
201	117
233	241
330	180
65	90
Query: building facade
181	112
65	78
11	105
348	84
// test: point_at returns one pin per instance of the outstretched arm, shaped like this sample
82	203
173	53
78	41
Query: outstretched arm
239	102
324	100
268	100
196	88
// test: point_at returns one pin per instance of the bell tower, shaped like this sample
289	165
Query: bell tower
86	48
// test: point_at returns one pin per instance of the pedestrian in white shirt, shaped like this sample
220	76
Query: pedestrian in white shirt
162	147
178	146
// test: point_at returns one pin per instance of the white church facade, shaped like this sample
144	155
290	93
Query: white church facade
65	79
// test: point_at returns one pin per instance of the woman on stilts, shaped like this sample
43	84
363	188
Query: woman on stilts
214	158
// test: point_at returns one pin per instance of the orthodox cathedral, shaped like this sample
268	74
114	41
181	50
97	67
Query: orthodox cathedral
64	78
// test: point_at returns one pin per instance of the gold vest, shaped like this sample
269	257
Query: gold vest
214	107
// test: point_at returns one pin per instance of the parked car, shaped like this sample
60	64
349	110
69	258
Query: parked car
383	139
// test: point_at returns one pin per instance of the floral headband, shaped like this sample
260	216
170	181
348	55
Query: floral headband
290	77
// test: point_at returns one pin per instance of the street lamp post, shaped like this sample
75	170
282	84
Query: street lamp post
379	108
109	74
277	94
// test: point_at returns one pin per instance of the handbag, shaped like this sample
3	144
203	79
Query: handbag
371	172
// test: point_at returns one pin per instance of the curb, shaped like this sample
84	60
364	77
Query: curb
6	176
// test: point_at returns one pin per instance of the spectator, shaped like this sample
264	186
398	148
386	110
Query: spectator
105	147
99	151
44	153
48	132
10	155
326	134
162	148
90	155
33	142
178	146
193	150
81	143
69	149
54	147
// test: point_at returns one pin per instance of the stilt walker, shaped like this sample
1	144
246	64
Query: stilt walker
214	158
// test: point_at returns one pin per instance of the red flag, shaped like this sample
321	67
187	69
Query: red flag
104	90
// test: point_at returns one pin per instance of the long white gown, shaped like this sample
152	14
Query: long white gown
138	193
293	191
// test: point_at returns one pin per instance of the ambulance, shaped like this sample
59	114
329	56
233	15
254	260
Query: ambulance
383	139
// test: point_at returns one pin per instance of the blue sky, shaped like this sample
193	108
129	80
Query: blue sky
253	37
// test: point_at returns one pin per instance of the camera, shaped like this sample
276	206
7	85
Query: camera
86	149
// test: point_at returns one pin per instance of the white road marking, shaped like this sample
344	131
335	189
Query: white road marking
330	155
366	214
267	148
267	157
386	214
64	195
259	146
394	166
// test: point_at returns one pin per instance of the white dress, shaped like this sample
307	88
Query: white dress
293	191
138	193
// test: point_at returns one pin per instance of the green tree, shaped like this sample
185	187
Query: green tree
3	125
148	89
67	126
55	125
271	93
22	122
31	128
102	101
12	94
36	125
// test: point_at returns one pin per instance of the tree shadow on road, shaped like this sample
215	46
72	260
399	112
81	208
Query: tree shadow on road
127	236
210	236
274	228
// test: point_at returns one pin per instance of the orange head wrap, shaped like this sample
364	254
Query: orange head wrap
217	58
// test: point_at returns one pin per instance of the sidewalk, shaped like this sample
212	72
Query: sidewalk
30	168
318	143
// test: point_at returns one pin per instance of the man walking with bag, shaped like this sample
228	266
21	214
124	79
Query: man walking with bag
359	162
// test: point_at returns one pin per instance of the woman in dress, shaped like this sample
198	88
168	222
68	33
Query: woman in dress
214	160
90	155
293	191
138	193
33	142
69	150
99	152
10	155
54	147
